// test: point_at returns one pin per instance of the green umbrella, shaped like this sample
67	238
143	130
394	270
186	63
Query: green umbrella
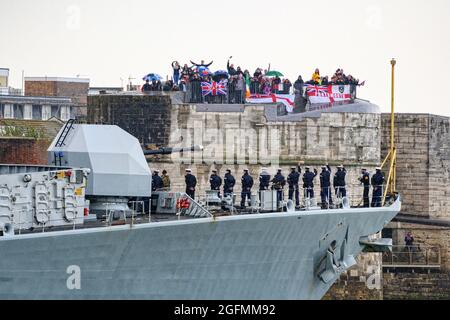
274	74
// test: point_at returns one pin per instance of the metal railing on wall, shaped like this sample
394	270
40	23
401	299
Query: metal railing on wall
234	95
413	256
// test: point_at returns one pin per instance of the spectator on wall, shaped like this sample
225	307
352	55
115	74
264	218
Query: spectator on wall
176	71
316	79
146	87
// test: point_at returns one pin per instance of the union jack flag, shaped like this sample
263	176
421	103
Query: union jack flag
214	88
314	90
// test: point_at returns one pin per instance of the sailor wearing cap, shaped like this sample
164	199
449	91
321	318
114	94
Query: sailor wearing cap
215	181
247	184
264	180
293	180
365	181
325	186
229	182
377	184
278	183
308	182
339	182
191	183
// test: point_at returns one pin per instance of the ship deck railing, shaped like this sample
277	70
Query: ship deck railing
139	215
413	257
354	195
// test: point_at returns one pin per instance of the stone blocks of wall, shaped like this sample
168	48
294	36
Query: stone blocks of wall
416	286
423	165
145	117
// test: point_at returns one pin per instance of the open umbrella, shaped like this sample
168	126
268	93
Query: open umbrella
203	71
220	75
152	77
274	74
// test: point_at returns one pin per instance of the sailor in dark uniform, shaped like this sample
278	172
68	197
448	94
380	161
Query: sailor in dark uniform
264	180
377	184
157	182
293	180
191	183
229	183
339	182
325	186
308	182
278	183
365	181
215	182
247	184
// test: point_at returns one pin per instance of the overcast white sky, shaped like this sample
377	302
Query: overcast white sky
106	40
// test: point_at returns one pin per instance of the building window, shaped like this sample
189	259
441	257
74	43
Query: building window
18	111
56	112
2	110
37	112
65	113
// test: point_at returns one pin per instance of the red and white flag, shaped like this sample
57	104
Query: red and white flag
328	94
286	99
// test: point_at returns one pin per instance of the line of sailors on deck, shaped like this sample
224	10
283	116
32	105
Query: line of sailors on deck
279	182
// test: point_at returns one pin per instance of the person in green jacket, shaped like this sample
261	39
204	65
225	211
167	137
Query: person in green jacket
166	180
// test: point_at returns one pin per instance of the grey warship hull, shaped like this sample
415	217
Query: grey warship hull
252	257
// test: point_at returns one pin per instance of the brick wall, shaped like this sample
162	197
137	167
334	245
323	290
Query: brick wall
40	88
75	90
23	151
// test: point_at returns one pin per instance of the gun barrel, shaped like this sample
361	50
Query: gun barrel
172	150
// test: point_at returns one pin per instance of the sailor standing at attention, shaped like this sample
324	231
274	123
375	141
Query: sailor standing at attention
377	184
215	182
339	182
293	180
264	181
229	182
278	183
308	182
325	186
191	183
365	181
247	184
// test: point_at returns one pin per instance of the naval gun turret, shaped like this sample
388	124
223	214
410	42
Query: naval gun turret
119	169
